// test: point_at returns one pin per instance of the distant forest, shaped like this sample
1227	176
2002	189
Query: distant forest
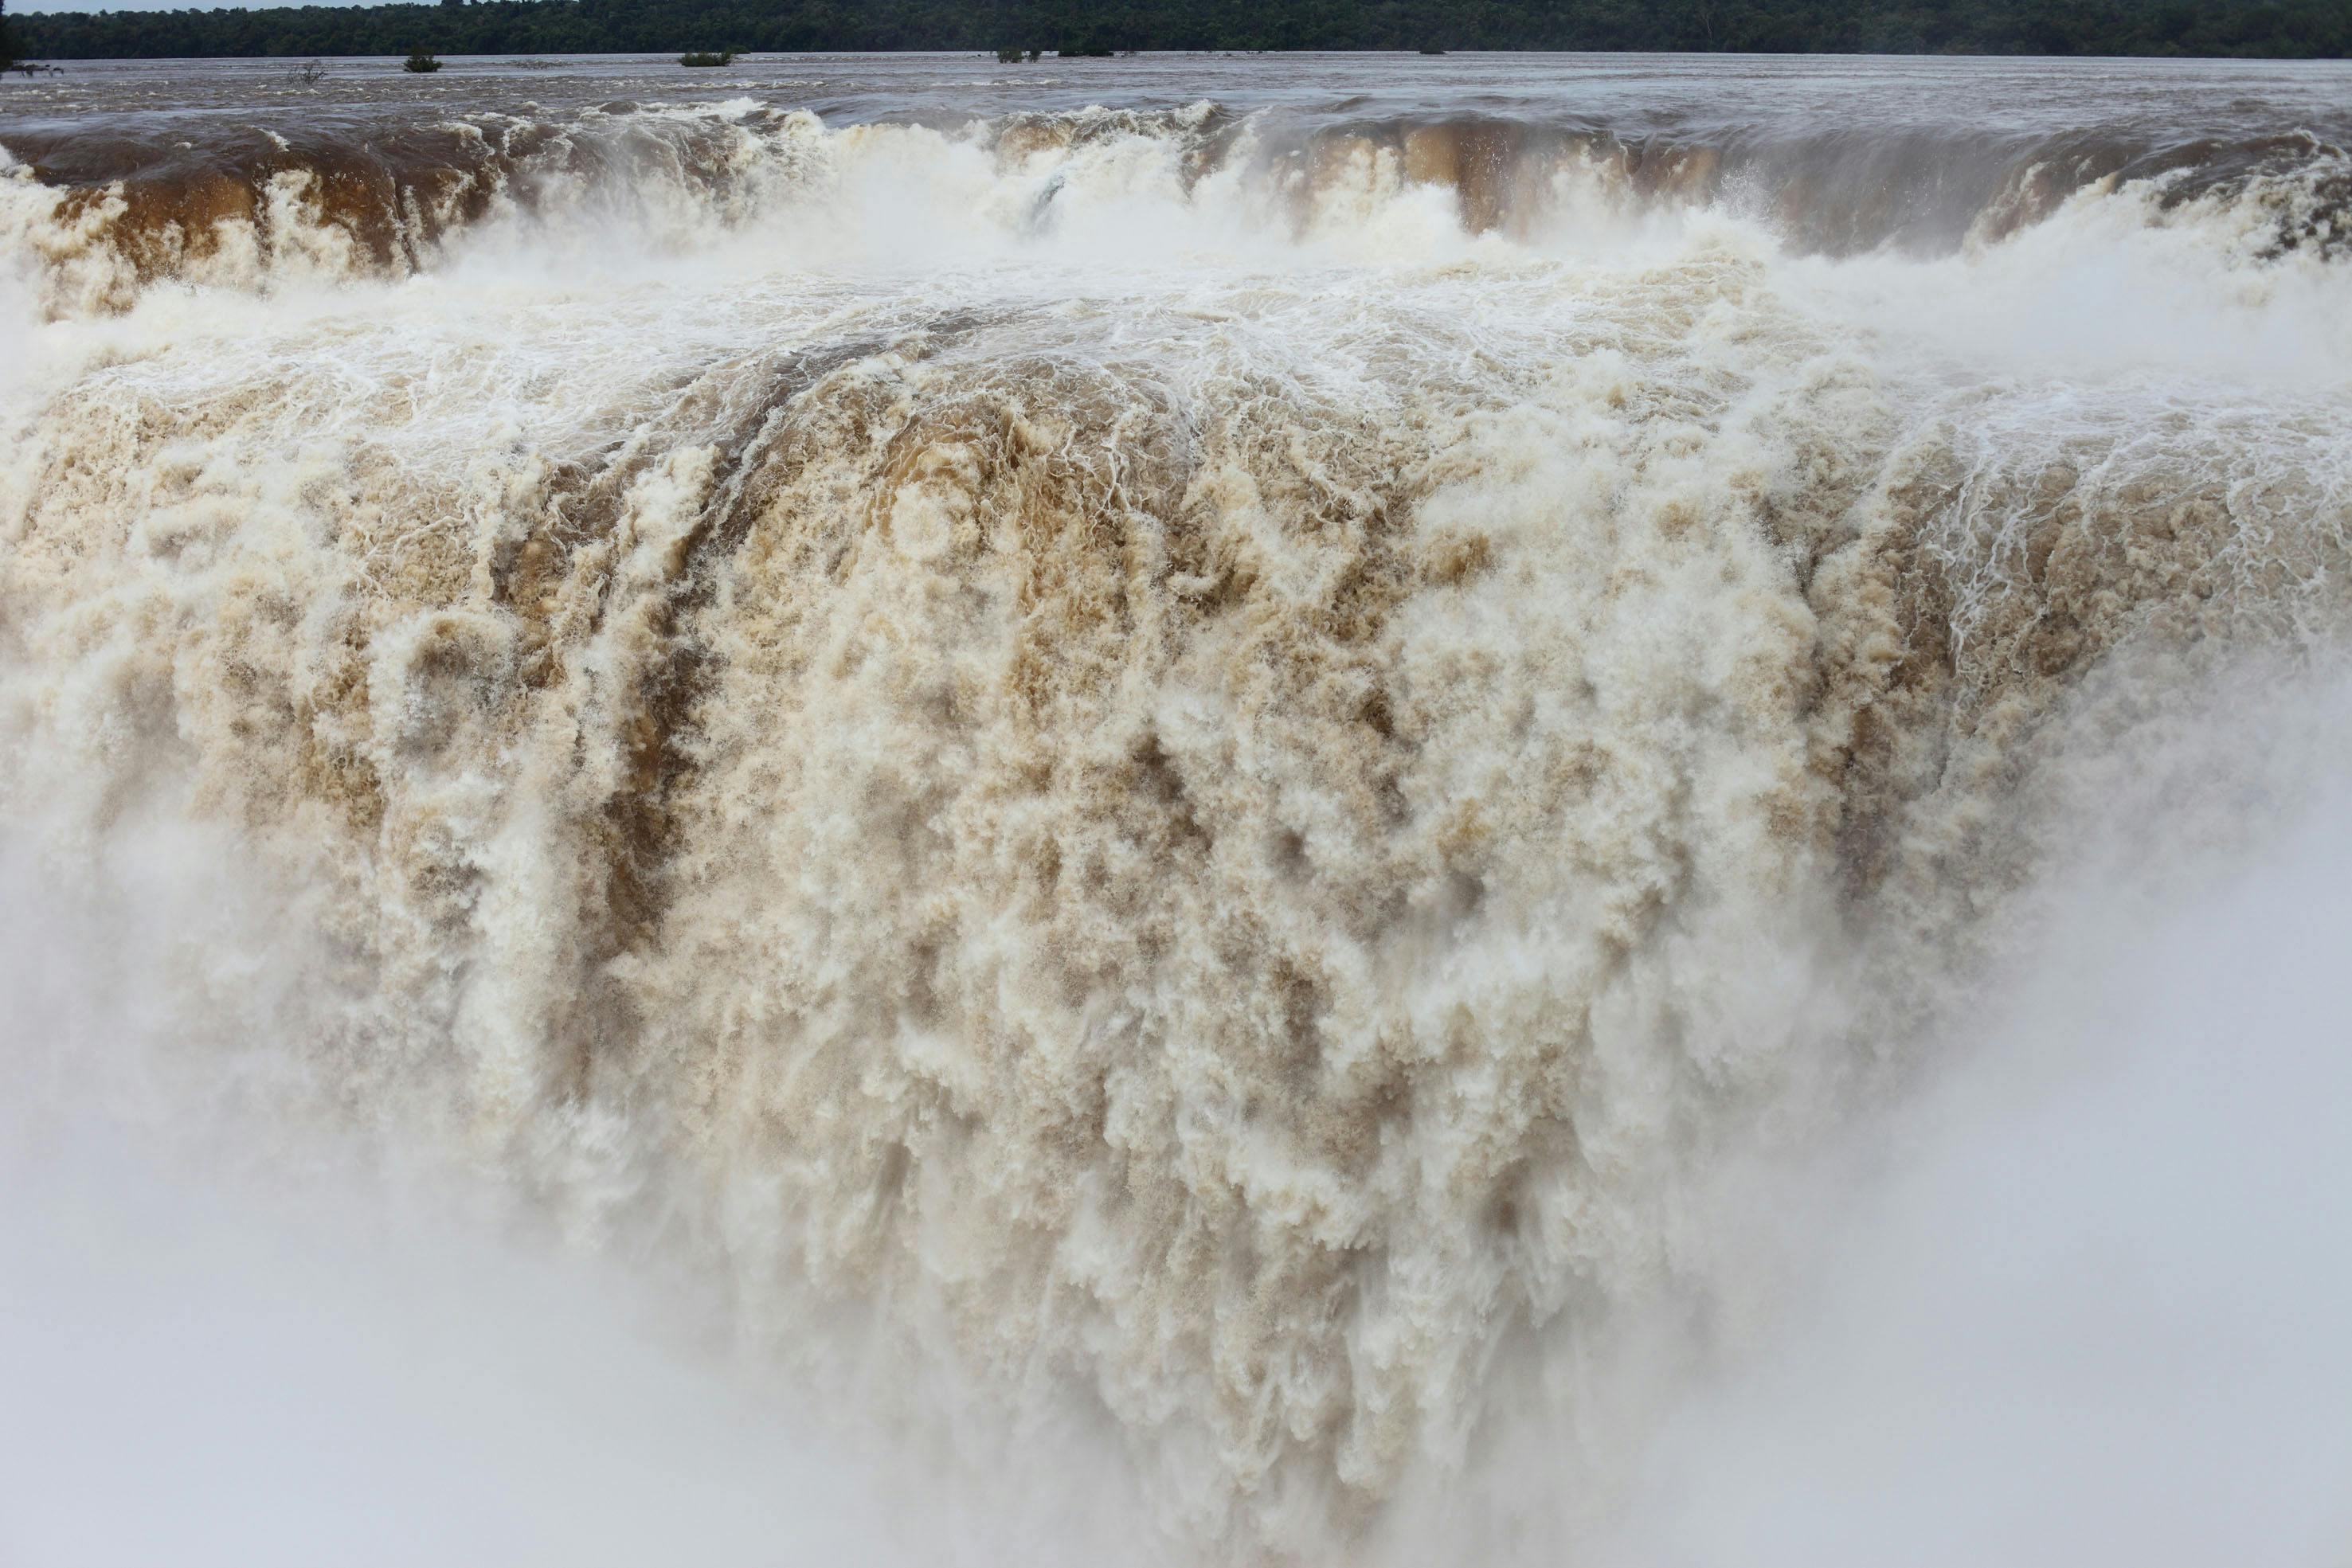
2276	28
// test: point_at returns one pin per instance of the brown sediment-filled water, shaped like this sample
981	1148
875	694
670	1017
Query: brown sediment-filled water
204	169
1201	736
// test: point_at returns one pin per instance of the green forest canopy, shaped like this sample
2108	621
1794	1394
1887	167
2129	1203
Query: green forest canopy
2276	28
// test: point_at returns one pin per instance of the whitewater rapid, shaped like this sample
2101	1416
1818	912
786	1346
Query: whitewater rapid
1194	767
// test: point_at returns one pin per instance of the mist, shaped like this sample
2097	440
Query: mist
233	1333
2084	1300
1239	828
2077	1295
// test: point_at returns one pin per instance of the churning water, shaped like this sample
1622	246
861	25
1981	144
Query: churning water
1220	803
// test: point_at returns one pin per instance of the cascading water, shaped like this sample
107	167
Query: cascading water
1206	756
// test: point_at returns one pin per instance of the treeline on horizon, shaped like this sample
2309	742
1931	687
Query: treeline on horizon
2269	28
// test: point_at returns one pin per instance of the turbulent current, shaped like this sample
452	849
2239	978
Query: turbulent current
1190	742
